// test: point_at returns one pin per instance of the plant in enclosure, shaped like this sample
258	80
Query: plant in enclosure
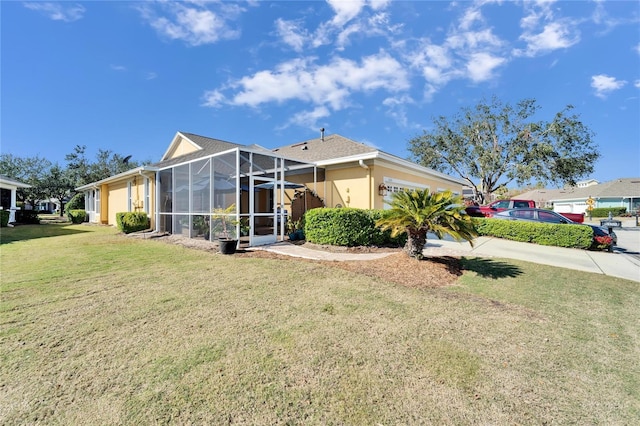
419	212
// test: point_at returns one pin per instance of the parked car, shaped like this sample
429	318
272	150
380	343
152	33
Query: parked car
548	216
501	205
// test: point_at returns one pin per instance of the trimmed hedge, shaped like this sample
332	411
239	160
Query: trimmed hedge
129	222
27	217
4	218
77	215
547	234
347	227
604	211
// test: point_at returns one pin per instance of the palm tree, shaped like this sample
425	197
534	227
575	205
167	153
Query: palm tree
418	212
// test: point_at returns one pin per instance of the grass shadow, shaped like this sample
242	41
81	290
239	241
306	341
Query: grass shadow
30	232
489	268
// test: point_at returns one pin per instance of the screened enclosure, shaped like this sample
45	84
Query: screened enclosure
237	194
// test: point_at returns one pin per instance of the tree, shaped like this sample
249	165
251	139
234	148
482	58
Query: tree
419	212
82	171
493	144
58	184
30	170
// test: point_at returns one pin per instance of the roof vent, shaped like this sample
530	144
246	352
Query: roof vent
304	147
322	134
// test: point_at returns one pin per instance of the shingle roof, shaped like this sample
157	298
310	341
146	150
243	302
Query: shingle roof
623	187
617	188
329	147
209	146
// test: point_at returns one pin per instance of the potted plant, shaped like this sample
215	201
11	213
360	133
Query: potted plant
225	226
294	229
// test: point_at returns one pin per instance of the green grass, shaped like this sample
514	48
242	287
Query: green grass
98	328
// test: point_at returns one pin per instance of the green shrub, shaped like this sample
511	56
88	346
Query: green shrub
75	203
604	211
4	218
77	215
27	217
129	222
548	234
347	227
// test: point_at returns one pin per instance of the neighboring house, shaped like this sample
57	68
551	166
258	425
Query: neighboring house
8	188
623	192
585	183
198	175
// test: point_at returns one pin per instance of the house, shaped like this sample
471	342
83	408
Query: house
263	188
8	189
623	192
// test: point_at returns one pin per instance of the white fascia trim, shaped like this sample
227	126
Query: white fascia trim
422	169
392	159
174	140
119	176
350	159
13	183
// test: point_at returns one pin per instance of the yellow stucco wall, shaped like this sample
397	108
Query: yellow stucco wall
351	185
115	199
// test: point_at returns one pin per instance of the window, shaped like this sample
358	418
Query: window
549	217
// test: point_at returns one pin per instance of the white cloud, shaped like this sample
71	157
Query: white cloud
470	50
345	10
481	66
308	119
58	12
555	35
397	110
330	86
151	75
118	67
604	84
195	23
637	84
291	34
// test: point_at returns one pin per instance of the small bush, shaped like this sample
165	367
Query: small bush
4	218
27	217
604	211
77	215
347	227
75	203
129	222
548	234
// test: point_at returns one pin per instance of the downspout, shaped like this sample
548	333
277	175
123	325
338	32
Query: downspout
368	169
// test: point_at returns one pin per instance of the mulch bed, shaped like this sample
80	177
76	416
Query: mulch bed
398	268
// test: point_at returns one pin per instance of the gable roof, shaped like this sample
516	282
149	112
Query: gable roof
335	149
203	145
330	147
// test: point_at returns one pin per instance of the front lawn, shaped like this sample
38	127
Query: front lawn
98	328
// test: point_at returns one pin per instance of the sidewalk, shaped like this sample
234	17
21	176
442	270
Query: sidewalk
624	262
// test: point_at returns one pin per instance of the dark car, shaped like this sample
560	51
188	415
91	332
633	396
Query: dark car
548	216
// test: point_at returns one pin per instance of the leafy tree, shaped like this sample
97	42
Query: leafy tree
493	144
30	170
58	184
419	212
83	171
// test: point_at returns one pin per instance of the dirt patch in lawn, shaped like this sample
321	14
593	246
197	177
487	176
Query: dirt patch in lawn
397	267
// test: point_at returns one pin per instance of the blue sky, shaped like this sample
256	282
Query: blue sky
126	76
